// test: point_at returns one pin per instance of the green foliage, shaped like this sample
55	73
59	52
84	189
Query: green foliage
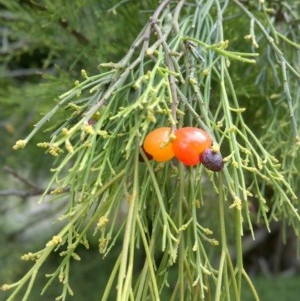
190	65
45	44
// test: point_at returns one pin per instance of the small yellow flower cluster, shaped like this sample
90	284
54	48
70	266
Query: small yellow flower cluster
30	256
183	228
149	52
206	72
84	74
219	124
235	164
102	222
57	190
53	148
252	38
205	270
237	203
85	242
207	231
43	144
5	287
213	242
102	245
56	240
20	144
224	44
69	146
193	81
151	116
75	107
215	147
102	133
65	132
88	129
75	256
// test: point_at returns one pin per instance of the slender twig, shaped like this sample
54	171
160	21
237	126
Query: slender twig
26	72
170	65
282	61
21	178
176	14
35	190
81	38
158	11
21	193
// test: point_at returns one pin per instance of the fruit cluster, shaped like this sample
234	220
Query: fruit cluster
191	146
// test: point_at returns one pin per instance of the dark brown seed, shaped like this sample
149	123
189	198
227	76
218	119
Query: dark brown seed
212	160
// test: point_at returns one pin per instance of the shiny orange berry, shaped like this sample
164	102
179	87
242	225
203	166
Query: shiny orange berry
157	144
189	144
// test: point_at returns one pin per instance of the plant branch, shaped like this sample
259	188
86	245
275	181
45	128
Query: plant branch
21	178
